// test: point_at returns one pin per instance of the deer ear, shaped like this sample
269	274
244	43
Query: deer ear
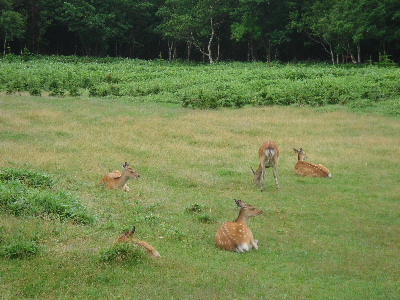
295	150
133	230
240	203
253	171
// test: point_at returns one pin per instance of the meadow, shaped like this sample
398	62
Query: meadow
318	238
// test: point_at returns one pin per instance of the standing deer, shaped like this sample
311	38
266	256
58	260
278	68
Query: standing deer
269	156
236	235
117	180
304	168
129	236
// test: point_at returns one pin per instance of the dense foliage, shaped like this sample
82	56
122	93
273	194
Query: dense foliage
210	30
205	86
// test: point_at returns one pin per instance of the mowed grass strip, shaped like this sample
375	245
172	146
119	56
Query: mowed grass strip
318	238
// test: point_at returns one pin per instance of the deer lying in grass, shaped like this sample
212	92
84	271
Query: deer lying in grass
236	235
129	236
117	180
269	156
304	168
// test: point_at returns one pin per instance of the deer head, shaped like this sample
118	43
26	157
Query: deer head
301	155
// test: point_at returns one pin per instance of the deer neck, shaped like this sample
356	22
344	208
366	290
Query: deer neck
258	171
242	218
122	180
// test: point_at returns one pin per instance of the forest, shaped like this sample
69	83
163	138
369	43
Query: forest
333	31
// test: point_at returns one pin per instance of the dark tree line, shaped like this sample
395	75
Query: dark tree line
210	30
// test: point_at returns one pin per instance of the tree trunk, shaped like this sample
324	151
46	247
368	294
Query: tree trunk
170	47
189	49
209	47
4	45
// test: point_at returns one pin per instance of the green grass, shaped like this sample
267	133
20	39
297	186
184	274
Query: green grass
318	238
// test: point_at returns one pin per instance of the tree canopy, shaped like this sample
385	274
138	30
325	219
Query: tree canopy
205	30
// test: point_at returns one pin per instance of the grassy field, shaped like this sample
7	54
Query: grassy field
318	238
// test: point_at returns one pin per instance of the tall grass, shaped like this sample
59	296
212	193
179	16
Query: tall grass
318	238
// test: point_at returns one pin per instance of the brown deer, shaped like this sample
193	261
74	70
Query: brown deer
117	180
129	236
237	236
269	156
304	168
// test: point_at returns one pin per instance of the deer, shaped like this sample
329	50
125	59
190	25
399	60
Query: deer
269	156
236	235
129	236
117	180
304	168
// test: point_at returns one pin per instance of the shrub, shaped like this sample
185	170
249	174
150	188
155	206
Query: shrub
35	92
212	100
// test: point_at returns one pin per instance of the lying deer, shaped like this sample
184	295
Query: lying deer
304	168
236	235
269	156
129	236
117	180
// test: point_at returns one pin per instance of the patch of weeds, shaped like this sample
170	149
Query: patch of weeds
23	192
206	218
195	208
124	252
34	179
175	233
199	210
20	249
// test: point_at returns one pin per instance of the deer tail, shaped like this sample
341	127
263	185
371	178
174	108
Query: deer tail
269	152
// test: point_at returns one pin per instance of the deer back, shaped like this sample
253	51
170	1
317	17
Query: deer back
129	236
304	168
234	236
150	250
269	154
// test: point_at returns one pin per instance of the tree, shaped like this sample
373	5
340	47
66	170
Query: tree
197	22
12	26
176	25
262	24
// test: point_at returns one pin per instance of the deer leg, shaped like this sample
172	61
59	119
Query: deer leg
276	179
126	188
263	178
254	243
